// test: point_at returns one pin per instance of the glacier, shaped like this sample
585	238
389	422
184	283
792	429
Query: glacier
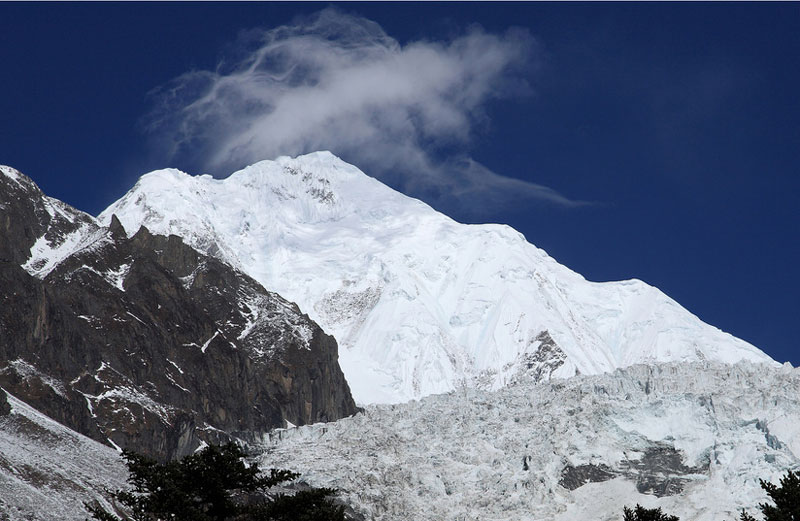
691	438
419	303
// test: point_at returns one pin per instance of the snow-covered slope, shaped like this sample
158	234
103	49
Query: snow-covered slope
39	230
693	439
418	302
48	471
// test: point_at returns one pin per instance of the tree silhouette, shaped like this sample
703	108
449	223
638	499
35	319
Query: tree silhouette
786	499
213	484
646	514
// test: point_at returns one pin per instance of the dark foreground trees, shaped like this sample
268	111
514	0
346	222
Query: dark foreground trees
214	485
645	514
786	499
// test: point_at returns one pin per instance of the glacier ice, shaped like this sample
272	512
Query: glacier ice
692	438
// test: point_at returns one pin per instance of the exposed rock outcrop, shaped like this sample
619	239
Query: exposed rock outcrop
5	408
144	343
660	471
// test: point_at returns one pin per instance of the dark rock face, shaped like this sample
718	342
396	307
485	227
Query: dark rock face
5	408
575	477
660	471
541	363
26	214
143	342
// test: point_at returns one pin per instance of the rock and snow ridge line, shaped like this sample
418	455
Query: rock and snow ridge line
142	341
419	303
88	237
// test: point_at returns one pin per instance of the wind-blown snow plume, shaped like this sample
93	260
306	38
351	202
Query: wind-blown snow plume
339	82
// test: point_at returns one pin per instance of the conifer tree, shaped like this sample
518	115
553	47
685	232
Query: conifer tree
786	499
213	484
646	514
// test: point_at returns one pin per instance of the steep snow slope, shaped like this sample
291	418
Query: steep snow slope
692	438
418	302
38	231
47	471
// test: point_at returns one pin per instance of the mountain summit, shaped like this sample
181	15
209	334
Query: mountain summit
419	303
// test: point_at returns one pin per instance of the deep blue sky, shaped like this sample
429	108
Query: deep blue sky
680	120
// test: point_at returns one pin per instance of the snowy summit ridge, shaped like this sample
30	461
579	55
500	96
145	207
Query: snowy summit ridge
419	303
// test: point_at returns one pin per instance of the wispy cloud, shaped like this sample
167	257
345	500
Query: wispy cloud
406	114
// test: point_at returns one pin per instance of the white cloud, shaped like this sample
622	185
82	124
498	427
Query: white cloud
403	113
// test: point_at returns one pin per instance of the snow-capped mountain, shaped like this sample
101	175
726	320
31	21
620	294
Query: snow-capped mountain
692	438
418	302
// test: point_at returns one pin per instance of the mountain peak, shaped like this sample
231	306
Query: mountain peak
19	180
320	157
9	172
318	178
311	189
418	302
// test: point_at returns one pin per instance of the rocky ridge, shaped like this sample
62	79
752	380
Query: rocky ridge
142	342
